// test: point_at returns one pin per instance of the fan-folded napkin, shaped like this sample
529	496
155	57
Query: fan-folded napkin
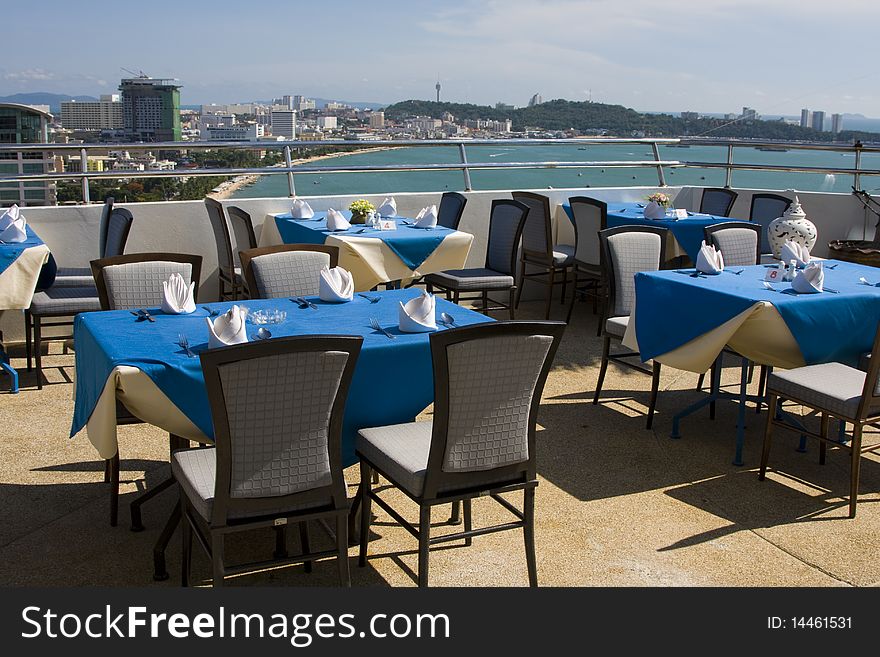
336	285
228	328
388	207
12	226
795	251
418	315
301	210
709	260
427	217
654	210
177	295
336	220
810	280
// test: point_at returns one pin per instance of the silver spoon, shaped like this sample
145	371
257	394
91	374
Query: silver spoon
263	333
446	318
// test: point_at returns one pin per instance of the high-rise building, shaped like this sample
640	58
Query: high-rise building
284	123
690	116
377	119
818	120
150	109
836	123
504	107
326	122
806	118
301	103
537	99
22	124
749	114
103	114
437	87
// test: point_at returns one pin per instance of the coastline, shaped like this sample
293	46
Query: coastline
226	189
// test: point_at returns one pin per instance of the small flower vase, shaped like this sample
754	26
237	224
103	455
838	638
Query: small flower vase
358	217
792	226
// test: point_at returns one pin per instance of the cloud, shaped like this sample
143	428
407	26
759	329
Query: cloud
28	75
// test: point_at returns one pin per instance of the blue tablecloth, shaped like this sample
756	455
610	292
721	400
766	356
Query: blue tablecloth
688	232
9	252
412	245
673	309
393	380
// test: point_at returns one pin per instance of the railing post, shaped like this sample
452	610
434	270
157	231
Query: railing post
84	169
661	175
291	188
857	177
465	170
728	175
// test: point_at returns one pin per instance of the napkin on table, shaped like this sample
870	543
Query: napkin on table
228	328
709	260
336	220
418	315
809	280
12	225
654	211
427	217
301	210
388	207
794	251
177	295
336	285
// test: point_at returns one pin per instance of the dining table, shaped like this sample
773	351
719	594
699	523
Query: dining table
375	256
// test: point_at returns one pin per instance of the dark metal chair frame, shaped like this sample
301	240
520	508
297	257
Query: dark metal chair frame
230	289
721	191
467	485
546	274
455	295
247	256
608	264
242	218
212	540
592	274
768	197
448	197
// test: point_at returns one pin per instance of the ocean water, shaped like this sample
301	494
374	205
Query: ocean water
438	181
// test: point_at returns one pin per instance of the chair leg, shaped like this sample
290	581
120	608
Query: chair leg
768	437
342	550
762	385
186	553
113	465
365	513
655	386
715	377
485	309
552	274
529	535
28	347
306	544
424	534
606	348
520	282
429	288
573	298
823	446
856	446
565	286
455	297
38	351
700	381
217	558
510	306
106	471
468	520
280	542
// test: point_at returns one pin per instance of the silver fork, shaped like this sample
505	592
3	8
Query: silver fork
183	342
376	326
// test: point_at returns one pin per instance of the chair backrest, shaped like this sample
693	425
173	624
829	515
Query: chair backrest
506	221
118	227
450	210
222	238
628	250
135	280
537	236
764	209
590	216
488	380
105	217
738	241
717	201
277	407
287	269
242	231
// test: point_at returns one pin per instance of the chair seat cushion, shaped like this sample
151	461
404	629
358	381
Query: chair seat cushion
478	278
196	469
833	387
63	301
401	452
563	255
74	277
616	326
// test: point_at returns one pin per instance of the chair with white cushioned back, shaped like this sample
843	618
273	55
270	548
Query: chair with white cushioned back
286	270
590	215
717	201
628	250
738	241
833	390
488	380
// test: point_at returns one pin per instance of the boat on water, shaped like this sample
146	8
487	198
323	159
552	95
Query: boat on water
772	149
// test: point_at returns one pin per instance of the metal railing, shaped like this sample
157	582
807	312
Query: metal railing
465	166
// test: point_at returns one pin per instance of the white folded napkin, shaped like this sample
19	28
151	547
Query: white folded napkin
177	295
228	328
417	315
809	280
794	251
388	207
654	211
336	285
709	260
301	210
336	220
12	226
427	217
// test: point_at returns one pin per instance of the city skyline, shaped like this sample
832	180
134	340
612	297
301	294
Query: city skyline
486	52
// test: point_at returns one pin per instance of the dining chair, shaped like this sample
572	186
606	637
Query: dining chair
135	281
738	241
717	201
58	304
488	380
277	408
626	251
590	215
242	228
539	251
450	210
231	282
764	209
831	390
286	269
82	276
506	220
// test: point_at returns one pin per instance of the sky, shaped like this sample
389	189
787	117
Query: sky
776	56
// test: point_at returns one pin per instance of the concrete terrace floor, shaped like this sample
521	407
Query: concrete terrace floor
617	505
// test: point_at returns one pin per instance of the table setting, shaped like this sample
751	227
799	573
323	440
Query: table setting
22	256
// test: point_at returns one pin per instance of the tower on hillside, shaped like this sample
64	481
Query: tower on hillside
437	87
